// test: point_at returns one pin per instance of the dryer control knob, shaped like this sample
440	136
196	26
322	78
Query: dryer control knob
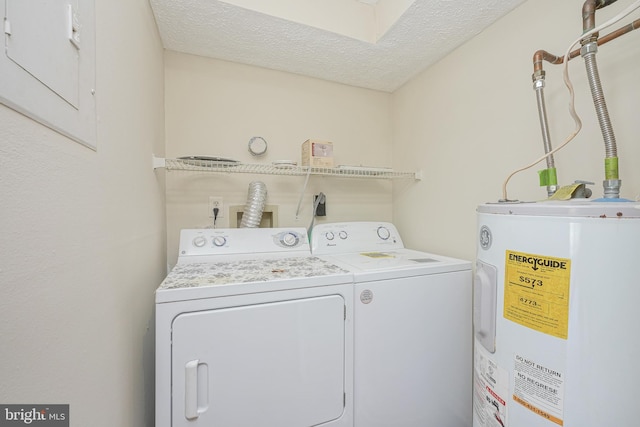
384	233
199	241
219	241
343	235
290	239
329	235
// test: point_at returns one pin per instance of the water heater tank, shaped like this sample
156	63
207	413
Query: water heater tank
556	308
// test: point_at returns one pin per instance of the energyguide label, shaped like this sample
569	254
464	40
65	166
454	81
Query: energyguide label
536	292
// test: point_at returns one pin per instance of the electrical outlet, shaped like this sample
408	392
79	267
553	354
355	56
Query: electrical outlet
216	202
321	210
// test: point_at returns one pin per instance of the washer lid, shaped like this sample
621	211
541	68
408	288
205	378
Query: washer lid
369	266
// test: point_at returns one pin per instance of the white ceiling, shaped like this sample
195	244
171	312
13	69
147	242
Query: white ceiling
320	42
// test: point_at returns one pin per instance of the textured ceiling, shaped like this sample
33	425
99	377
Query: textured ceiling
427	31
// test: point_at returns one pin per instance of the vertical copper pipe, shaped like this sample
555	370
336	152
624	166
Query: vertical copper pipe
589	12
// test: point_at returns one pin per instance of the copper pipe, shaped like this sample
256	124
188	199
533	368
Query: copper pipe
589	12
619	32
543	55
588	22
588	15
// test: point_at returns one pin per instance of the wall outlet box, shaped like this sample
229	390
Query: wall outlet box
216	202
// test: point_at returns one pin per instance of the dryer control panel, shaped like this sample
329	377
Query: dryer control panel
347	237
198	244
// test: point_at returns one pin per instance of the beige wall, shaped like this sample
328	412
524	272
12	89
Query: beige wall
214	107
83	243
471	119
466	123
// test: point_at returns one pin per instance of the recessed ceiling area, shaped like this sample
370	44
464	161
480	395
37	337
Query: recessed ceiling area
365	20
375	44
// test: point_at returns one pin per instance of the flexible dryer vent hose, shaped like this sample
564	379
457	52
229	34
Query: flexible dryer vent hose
256	199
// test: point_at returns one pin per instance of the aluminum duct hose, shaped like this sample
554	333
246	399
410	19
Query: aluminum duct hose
256	199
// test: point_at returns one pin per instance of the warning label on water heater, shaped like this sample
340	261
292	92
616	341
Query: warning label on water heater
490	390
539	388
536	292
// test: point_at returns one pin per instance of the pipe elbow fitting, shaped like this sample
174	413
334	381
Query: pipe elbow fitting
589	12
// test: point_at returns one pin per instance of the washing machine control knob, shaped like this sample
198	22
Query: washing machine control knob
290	239
329	235
343	235
384	233
219	241
199	241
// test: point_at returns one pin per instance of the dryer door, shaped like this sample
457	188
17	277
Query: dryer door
273	364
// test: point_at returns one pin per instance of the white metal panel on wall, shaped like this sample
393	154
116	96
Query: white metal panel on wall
48	69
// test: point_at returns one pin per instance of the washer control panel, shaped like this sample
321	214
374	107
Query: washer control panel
240	241
347	237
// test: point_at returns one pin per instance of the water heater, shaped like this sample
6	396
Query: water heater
556	308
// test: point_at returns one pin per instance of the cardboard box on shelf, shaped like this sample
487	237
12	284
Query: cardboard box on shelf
318	154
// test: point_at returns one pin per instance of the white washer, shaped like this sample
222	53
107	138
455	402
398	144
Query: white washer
251	330
412	327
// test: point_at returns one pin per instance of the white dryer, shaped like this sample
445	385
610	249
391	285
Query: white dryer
412	327
251	330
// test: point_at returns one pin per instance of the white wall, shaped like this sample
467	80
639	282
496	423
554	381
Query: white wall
83	242
471	119
213	108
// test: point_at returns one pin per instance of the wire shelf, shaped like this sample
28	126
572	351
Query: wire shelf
270	169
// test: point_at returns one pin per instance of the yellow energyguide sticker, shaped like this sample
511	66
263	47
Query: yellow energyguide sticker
536	292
